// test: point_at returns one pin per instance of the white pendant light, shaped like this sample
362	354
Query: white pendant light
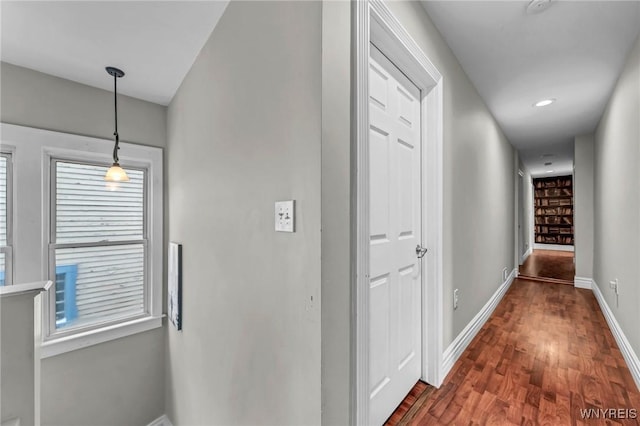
115	172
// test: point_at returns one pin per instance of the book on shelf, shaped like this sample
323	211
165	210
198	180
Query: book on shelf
553	209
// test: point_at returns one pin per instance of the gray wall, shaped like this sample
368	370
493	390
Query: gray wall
113	383
617	199
583	205
33	99
244	132
117	383
337	342
17	357
478	182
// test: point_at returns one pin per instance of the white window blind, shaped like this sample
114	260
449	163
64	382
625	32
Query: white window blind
88	210
98	245
5	219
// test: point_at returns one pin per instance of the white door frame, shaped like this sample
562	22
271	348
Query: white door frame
374	23
521	220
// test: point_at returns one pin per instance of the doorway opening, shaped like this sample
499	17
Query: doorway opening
552	258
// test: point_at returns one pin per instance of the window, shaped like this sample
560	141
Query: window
5	220
100	245
65	289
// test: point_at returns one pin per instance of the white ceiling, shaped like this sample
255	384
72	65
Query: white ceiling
154	42
574	52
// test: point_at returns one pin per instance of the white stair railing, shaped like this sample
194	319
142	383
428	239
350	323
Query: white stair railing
20	340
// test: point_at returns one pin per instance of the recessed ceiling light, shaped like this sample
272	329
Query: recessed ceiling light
546	155
549	171
544	102
548	163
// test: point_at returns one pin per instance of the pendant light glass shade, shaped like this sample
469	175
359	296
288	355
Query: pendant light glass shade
115	172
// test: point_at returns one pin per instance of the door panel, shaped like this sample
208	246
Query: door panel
379	201
395	230
379	297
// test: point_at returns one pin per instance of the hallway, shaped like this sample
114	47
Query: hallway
545	354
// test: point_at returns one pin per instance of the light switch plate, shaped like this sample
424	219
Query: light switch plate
285	216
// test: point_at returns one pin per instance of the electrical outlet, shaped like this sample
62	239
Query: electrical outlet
455	298
504	274
615	285
285	216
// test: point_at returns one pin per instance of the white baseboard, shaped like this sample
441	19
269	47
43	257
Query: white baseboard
526	255
582	282
163	420
559	247
625	347
455	349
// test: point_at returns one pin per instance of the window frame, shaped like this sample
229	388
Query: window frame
53	332
32	161
8	153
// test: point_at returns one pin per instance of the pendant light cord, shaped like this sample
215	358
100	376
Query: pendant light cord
115	103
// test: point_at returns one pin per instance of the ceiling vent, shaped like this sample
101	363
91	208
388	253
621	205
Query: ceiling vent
537	6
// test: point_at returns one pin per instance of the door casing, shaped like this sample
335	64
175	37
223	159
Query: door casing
374	23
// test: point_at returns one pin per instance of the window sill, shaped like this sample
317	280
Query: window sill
93	337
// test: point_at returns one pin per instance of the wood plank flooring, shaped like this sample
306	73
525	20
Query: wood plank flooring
412	403
554	264
544	354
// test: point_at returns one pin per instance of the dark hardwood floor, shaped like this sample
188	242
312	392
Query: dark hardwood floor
411	404
545	354
543	264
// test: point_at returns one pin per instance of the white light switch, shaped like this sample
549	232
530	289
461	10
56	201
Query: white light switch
285	216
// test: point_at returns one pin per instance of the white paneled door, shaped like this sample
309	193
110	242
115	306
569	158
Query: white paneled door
395	231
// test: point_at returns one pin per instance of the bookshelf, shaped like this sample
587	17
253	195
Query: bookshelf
553	204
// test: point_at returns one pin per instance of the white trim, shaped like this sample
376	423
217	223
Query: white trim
163	420
517	256
37	352
623	343
361	118
461	342
93	337
374	23
558	247
582	282
433	190
526	255
16	289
